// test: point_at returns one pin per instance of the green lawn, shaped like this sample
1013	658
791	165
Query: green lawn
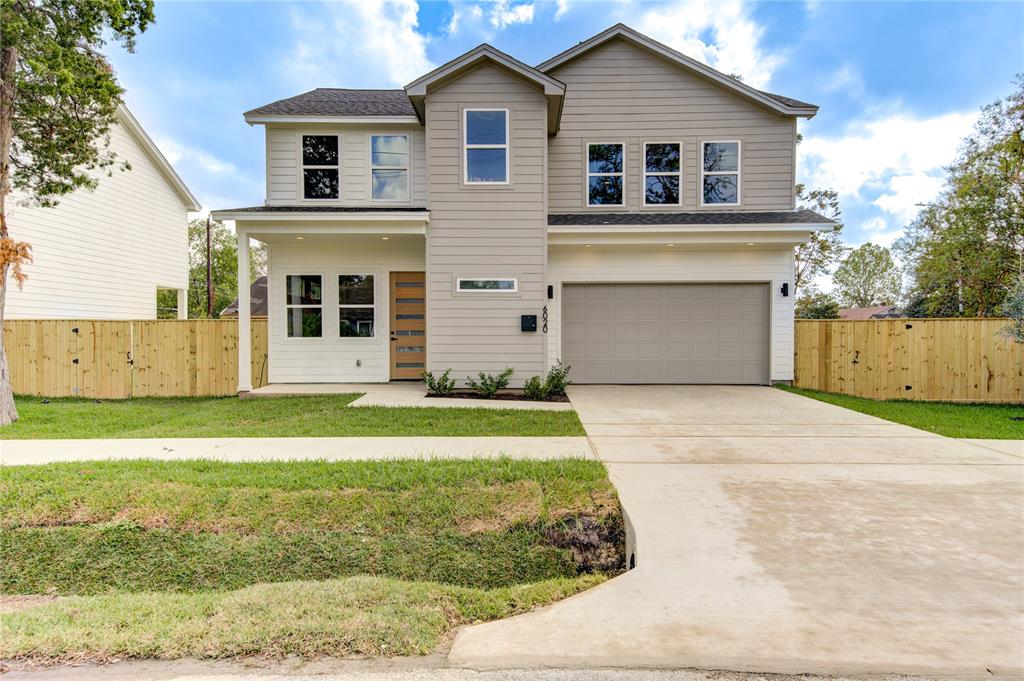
210	559
303	416
952	419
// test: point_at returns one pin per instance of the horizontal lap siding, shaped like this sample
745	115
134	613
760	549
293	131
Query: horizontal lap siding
102	254
621	93
332	359
283	159
636	264
491	232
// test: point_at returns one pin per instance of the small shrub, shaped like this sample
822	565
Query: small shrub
439	385
489	385
558	379
535	389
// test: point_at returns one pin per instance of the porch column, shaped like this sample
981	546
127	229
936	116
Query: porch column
182	303
244	313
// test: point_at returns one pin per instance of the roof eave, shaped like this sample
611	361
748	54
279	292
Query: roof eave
623	31
136	130
262	119
553	89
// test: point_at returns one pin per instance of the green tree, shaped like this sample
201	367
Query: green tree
963	253
1013	308
868	276
825	249
58	99
814	304
224	260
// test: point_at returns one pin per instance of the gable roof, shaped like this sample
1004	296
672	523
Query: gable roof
873	312
784	105
553	89
338	102
126	119
257	300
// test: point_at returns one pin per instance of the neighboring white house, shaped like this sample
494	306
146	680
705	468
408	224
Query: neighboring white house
621	208
104	254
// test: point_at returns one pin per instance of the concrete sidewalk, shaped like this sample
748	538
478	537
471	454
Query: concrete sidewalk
775	533
21	452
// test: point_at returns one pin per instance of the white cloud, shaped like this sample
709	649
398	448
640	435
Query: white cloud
720	34
893	162
504	14
561	7
176	153
354	43
877	231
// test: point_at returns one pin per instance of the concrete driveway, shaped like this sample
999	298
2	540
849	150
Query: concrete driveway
776	533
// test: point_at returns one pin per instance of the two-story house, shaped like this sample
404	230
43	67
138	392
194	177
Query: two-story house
620	207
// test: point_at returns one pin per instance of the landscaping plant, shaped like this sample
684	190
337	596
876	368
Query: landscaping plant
489	385
439	386
535	389
558	379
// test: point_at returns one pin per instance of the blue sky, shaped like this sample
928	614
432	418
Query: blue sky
898	83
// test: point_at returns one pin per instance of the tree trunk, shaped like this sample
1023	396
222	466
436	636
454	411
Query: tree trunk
8	64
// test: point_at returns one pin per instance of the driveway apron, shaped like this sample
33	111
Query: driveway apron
776	533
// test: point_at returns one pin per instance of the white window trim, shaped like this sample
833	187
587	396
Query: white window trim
739	167
514	289
322	307
407	168
622	174
466	146
646	174
373	306
303	167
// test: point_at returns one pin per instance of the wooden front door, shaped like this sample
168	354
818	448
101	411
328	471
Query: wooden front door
408	325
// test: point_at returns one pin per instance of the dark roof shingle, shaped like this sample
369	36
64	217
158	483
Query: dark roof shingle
775	217
324	209
340	102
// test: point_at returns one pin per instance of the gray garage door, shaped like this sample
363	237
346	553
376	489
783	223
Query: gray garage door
666	333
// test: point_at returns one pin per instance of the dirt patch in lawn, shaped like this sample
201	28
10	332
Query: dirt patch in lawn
11	604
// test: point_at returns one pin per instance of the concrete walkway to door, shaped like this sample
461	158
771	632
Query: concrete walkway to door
776	533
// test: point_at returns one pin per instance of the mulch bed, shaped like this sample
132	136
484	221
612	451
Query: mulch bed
514	397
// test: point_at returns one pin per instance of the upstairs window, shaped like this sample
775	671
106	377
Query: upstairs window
304	305
389	167
355	305
320	167
720	174
662	173
604	174
486	146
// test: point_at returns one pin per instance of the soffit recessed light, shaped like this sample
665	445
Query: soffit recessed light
670	244
299	238
750	243
587	245
384	238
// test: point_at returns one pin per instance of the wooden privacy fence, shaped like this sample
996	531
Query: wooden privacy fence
916	359
120	359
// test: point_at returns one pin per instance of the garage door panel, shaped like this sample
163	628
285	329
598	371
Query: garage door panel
666	333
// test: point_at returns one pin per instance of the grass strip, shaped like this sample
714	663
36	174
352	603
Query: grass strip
300	416
951	419
95	559
364	616
89	527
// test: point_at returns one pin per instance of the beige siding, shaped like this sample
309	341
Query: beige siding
332	359
102	254
485	231
621	93
284	172
643	264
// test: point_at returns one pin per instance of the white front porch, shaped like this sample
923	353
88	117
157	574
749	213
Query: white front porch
326	344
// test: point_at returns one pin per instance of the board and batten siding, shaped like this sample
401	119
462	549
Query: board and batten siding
284	159
102	254
332	359
636	264
621	93
485	231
